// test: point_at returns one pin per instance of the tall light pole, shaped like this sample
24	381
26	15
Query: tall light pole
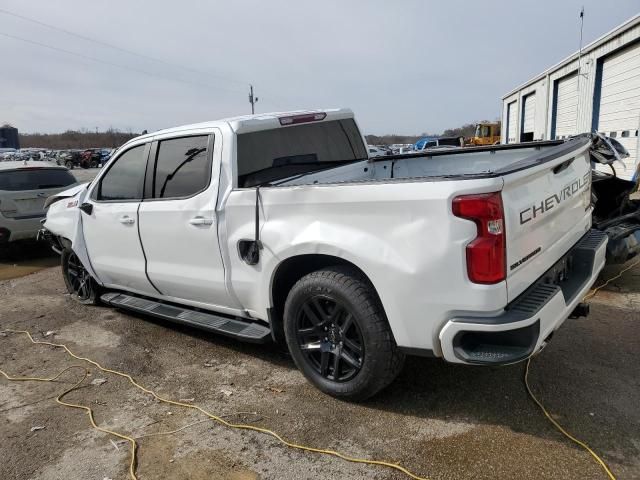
252	100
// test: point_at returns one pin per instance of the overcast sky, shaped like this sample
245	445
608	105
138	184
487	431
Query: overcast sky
408	66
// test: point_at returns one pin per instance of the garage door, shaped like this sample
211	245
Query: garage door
566	107
512	124
619	114
528	117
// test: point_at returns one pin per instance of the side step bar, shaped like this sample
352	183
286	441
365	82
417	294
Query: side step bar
236	328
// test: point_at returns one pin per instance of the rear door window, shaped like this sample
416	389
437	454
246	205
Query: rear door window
182	168
125	178
277	153
35	179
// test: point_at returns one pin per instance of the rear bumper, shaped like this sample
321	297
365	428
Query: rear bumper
526	324
19	228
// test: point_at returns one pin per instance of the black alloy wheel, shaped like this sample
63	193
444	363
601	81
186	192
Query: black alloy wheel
78	280
338	334
329	338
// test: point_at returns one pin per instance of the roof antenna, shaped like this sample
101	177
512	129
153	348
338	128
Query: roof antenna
580	74
252	100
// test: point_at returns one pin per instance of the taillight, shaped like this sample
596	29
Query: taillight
302	118
486	254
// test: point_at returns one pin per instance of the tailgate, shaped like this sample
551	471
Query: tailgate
547	210
21	205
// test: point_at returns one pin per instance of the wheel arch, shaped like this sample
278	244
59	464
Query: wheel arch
292	269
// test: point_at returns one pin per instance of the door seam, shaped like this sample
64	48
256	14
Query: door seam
146	273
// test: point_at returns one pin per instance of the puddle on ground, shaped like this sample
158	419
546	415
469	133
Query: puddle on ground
15	270
23	258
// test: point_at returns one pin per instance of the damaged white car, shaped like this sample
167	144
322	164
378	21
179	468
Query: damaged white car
279	227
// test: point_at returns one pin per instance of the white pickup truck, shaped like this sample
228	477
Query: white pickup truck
279	226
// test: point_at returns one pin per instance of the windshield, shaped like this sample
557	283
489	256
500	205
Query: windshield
270	155
35	179
483	131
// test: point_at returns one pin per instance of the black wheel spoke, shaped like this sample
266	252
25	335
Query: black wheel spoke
336	366
349	359
329	338
324	363
346	324
313	317
353	346
309	332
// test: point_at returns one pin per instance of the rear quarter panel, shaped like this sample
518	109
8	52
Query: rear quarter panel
402	234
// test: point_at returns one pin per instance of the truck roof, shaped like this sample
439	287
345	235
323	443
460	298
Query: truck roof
252	123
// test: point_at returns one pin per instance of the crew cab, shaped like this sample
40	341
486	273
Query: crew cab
280	227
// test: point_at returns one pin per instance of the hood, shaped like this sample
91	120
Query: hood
71	192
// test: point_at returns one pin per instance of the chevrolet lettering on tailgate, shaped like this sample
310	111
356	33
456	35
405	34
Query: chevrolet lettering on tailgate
552	201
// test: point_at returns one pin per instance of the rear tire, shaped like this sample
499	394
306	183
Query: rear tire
80	285
338	334
69	164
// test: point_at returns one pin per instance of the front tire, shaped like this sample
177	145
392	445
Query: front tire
338	334
80	285
69	164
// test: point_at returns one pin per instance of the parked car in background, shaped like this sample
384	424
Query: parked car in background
24	187
105	154
435	142
91	157
292	232
377	151
71	159
6	153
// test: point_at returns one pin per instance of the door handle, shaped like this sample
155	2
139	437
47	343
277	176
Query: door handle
201	221
127	220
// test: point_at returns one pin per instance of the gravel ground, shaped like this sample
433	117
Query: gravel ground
440	421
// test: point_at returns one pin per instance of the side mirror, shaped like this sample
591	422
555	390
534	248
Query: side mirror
86	208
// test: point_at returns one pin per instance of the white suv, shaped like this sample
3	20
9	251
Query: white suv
24	187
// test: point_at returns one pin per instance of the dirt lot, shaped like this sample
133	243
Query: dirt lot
438	420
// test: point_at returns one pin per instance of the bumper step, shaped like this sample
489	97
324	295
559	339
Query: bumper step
232	327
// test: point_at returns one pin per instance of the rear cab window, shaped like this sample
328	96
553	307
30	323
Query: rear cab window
268	155
35	179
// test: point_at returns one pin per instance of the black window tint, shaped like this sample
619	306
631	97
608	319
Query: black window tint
125	178
182	167
267	155
35	179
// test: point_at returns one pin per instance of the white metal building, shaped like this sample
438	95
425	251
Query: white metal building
597	90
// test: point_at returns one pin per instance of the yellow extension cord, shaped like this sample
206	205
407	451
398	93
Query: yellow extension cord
134	445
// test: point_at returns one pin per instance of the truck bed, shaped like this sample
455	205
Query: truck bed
451	164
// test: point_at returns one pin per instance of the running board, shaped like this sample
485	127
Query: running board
236	328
